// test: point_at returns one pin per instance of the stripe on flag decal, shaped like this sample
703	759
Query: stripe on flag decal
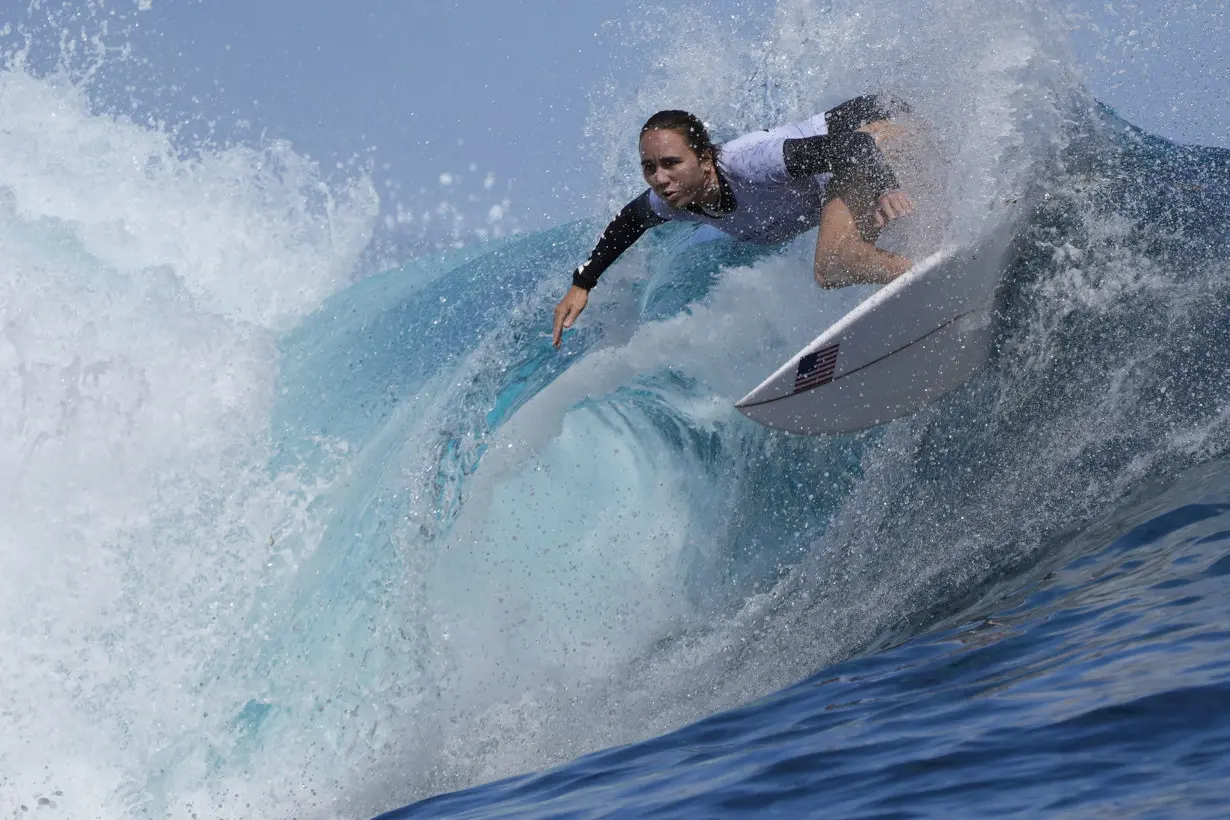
816	369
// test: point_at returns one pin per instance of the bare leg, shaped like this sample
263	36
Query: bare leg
844	258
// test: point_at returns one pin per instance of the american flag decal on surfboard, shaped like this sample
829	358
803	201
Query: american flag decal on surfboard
816	369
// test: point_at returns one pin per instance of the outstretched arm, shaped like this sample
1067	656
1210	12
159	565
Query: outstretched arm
623	231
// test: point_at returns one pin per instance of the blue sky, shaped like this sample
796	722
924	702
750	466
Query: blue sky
422	89
434	87
1163	64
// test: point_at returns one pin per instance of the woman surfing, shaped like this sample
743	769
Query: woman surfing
766	187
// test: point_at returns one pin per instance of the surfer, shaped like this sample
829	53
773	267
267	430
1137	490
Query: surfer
766	187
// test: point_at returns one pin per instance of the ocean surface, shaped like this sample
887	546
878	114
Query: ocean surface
284	536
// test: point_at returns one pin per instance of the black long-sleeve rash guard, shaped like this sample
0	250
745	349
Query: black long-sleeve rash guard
635	218
844	155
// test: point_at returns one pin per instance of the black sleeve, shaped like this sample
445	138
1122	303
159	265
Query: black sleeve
854	114
843	155
635	218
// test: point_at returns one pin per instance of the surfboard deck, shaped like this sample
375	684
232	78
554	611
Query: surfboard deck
905	346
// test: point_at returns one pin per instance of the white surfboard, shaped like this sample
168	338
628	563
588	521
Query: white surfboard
914	340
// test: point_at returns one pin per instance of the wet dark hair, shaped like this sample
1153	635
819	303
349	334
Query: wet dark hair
688	126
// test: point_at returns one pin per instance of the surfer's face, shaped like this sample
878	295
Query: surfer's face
673	170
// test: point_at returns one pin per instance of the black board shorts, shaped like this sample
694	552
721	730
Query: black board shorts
855	190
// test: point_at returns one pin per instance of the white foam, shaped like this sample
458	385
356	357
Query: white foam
141	294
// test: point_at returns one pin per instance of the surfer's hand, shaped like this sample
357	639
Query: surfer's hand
567	311
891	206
